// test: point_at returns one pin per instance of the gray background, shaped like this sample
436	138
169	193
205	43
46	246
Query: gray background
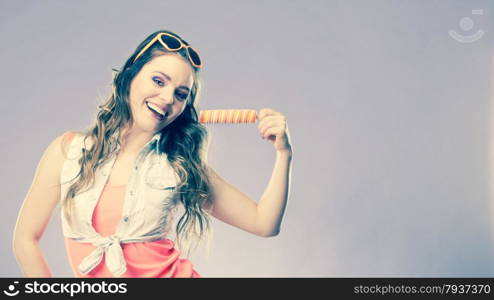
390	121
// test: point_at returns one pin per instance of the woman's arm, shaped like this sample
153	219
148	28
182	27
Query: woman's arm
36	212
264	217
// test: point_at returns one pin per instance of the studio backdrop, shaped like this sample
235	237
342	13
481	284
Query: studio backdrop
389	106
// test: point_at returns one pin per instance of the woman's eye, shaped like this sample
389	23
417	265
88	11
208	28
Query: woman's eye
182	96
158	81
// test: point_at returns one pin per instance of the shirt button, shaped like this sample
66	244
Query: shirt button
126	219
132	193
136	168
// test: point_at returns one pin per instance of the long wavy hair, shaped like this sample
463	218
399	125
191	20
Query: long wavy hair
185	142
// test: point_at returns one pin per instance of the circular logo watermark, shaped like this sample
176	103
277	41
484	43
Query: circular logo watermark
466	25
11	291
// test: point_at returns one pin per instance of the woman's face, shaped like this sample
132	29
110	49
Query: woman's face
159	92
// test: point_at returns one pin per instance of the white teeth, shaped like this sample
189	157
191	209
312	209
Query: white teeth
156	108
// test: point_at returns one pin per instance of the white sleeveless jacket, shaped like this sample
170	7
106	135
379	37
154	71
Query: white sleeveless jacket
149	205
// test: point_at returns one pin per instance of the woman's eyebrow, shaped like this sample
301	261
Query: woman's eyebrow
170	79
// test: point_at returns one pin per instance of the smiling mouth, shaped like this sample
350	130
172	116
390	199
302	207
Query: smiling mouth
157	113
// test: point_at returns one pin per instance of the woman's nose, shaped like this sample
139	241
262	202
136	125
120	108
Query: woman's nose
168	100
167	96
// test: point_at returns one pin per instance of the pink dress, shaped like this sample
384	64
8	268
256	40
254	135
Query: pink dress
151	259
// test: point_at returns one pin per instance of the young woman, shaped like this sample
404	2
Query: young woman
120	183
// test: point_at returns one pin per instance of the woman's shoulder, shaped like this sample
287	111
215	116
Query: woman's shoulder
69	135
56	151
64	140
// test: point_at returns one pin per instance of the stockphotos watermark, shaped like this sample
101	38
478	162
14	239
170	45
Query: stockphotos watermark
66	288
466	25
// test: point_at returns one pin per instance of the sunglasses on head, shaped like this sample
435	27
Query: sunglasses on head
173	43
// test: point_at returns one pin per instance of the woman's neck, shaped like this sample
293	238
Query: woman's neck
132	141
